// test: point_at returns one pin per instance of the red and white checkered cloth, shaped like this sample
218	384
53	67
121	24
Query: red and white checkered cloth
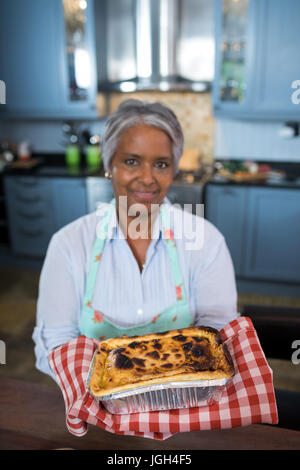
248	398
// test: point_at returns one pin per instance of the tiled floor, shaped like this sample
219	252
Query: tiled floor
18	295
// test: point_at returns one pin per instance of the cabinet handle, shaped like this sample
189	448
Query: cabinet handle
37	215
30	233
229	191
28	199
28	182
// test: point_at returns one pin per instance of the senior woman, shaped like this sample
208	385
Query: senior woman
111	273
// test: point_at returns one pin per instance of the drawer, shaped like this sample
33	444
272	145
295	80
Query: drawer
34	222
30	234
26	181
28	190
38	214
40	209
29	205
30	241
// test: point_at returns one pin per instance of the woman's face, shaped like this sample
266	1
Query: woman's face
143	168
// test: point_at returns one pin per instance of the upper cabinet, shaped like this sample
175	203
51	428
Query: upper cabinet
232	55
256	59
47	58
52	68
277	52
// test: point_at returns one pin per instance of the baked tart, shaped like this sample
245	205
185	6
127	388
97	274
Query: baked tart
187	354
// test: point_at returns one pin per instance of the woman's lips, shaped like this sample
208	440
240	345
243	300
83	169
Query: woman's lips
146	195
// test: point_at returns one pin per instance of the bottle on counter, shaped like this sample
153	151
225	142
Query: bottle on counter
92	150
72	147
24	151
73	156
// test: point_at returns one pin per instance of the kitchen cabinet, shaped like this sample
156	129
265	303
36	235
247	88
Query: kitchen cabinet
39	206
255	66
29	204
225	208
70	200
277	50
261	227
47	59
233	65
273	234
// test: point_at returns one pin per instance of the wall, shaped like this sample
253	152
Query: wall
254	140
45	136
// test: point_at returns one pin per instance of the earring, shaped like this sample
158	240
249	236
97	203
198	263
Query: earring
107	175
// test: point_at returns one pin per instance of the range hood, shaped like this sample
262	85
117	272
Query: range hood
155	44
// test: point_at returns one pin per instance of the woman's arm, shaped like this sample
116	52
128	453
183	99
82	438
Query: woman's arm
214	285
58	306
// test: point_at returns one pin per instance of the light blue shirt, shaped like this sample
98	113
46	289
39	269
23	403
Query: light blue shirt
126	296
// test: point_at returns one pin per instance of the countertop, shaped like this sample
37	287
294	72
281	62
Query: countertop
58	169
32	416
270	183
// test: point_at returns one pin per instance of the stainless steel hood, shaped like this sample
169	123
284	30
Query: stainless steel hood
155	44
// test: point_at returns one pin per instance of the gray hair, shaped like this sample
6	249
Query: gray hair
131	113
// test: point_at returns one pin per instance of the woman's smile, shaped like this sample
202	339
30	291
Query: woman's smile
145	195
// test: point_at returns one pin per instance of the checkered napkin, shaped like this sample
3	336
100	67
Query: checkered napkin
248	398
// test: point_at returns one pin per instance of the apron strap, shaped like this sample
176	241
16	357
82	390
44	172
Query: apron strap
168	237
97	251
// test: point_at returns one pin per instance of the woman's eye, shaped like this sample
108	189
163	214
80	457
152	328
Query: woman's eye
162	165
130	161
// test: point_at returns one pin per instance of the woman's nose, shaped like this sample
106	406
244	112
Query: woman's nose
146	174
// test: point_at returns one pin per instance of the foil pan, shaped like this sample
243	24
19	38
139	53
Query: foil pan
165	396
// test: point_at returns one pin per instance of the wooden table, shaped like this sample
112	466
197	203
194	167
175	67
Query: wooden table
32	417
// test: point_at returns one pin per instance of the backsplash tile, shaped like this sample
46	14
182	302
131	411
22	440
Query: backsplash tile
193	110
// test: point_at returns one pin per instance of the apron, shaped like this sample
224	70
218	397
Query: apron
95	325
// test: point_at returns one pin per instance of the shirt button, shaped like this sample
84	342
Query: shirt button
140	311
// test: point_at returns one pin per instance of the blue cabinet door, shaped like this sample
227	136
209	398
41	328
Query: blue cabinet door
273	245
70	201
85	66
29	43
29	205
33	61
235	42
277	53
268	68
226	208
